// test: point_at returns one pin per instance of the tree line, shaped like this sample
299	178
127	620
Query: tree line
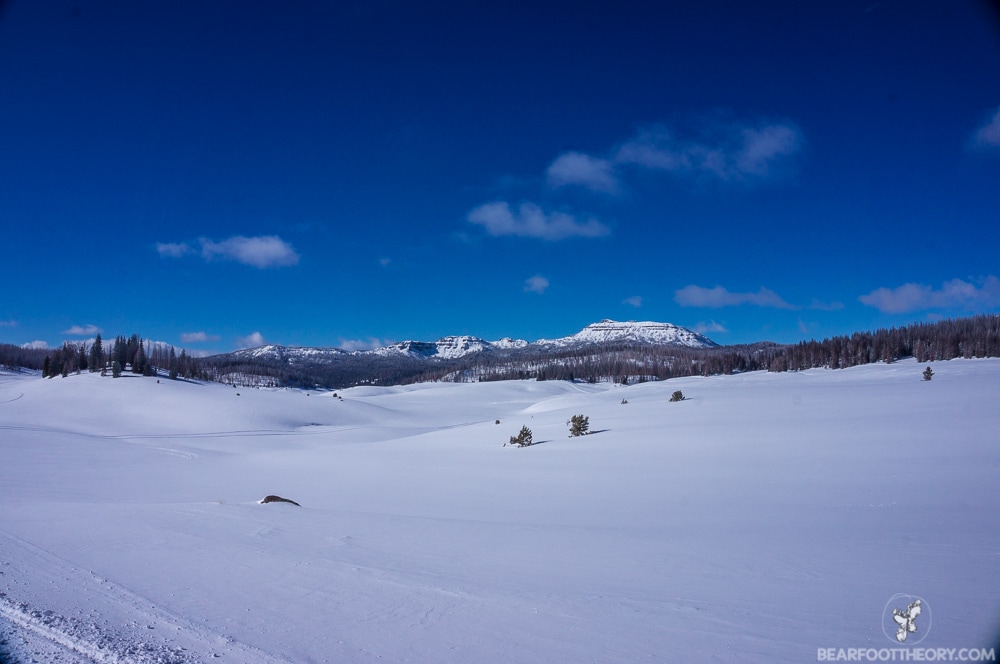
976	336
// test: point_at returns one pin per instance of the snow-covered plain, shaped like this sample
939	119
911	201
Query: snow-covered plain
765	517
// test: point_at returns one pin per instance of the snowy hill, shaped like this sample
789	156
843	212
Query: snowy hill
647	332
765	517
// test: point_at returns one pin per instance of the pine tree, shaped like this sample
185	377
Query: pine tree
928	373
139	360
523	438
579	425
96	360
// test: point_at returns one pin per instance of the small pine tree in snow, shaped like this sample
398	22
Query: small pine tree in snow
928	373
579	425
523	438
677	396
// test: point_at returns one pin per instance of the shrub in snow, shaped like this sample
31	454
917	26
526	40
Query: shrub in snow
578	425
523	438
677	396
928	373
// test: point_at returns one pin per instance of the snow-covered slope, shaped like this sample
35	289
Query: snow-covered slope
290	354
444	348
765	517
645	332
453	347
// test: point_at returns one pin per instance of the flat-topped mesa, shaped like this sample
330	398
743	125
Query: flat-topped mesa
646	332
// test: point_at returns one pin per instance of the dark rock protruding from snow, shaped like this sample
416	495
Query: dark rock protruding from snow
277	499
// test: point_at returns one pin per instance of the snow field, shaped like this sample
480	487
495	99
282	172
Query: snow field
766	516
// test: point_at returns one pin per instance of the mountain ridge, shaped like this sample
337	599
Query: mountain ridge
458	346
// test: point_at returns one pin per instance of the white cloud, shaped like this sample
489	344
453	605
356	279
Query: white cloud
952	294
362	344
173	249
762	148
36	345
576	168
988	136
261	252
252	340
8	323
709	327
726	151
536	284
696	296
531	221
635	301
384	262
83	330
826	306
198	337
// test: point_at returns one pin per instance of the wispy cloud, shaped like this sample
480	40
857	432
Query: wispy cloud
198	337
252	340
36	345
634	301
8	323
988	136
362	344
954	294
577	168
826	306
697	296
173	249
384	262
529	220
83	330
262	251
727	151
711	327
536	284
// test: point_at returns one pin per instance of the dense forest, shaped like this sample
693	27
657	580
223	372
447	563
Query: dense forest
131	354
976	336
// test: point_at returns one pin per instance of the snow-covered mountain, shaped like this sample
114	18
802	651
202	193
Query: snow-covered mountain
446	348
292	355
644	332
454	347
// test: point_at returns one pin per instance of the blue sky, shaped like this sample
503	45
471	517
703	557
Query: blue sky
223	174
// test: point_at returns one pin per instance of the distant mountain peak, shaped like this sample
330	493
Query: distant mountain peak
645	332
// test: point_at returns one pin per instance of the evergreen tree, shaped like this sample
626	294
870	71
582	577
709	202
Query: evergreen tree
139	359
96	360
81	358
579	425
523	438
928	373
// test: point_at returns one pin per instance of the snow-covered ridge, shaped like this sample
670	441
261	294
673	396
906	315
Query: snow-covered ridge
453	347
646	332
